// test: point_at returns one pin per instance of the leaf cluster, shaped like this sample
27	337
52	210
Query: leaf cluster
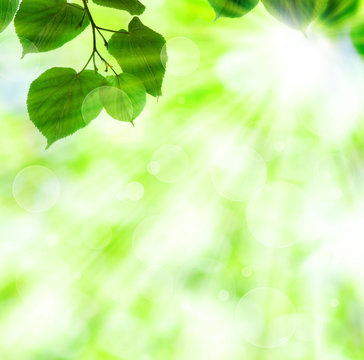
298	14
63	100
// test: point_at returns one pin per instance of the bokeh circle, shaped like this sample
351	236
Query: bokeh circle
266	317
36	188
169	163
134	191
183	56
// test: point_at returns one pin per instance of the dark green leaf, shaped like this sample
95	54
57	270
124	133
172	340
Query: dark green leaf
134	7
56	98
139	53
339	10
133	88
295	13
7	11
357	36
48	24
232	8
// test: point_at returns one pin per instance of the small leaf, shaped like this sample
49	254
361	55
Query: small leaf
132	87
139	52
295	13
55	101
339	10
48	24
357	37
232	8
134	7
7	11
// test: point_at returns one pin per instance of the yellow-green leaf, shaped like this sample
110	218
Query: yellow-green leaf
7	11
232	8
133	88
295	13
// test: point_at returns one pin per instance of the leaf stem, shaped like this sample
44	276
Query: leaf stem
94	45
110	30
103	37
88	61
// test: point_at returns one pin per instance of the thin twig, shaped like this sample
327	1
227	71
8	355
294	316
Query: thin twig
113	31
94	44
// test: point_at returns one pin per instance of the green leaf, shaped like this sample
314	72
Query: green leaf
133	88
357	37
56	98
134	7
232	8
48	24
116	103
339	10
7	11
139	52
295	13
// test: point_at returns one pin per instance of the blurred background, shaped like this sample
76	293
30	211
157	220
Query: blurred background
227	224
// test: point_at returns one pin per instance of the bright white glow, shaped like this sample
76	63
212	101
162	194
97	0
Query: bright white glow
277	217
52	239
298	61
313	81
160	240
169	163
349	249
208	332
284	59
238	172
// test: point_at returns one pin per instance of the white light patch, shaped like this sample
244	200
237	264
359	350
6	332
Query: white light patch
237	172
348	252
320	82
160	240
299	60
208	332
278	216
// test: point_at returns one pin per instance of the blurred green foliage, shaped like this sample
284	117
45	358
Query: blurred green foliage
133	243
